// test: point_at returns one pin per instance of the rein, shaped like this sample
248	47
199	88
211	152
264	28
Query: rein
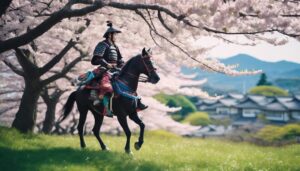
141	78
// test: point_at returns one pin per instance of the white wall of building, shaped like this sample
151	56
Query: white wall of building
250	113
277	116
226	110
296	115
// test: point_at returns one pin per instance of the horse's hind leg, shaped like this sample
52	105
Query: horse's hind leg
123	122
83	112
96	130
138	121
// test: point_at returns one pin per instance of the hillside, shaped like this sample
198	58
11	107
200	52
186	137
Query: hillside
274	71
161	151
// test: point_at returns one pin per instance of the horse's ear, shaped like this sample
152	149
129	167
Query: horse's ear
149	51
144	52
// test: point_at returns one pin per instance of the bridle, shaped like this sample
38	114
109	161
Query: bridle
148	69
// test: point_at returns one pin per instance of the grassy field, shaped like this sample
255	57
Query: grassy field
161	151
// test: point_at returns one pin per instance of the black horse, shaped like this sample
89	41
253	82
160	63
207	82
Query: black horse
121	106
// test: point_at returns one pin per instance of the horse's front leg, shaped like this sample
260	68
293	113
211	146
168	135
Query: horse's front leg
138	121
123	122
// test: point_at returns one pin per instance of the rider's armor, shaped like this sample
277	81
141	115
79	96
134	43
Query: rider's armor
107	53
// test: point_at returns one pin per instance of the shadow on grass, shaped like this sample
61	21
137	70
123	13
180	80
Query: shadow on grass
70	159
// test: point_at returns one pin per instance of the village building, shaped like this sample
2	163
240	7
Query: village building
248	107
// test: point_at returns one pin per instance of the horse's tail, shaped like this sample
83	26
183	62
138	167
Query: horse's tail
69	105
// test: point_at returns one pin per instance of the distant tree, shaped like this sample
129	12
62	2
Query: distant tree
198	118
268	91
177	101
51	100
263	80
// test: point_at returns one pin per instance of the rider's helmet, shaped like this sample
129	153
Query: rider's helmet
110	29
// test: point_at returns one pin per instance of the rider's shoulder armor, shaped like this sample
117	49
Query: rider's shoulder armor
101	48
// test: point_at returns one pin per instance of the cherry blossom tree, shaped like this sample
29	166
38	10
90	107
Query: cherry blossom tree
172	28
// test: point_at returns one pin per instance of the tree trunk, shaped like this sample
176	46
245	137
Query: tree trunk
49	118
4	4
26	115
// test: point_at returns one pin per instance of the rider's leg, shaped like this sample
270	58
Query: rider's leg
97	94
107	91
106	100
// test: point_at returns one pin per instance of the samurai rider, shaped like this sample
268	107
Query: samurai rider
108	56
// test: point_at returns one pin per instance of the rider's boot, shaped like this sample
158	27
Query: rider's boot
106	99
140	105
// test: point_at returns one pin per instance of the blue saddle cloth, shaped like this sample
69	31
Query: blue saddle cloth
123	90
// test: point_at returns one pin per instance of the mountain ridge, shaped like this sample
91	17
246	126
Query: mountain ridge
274	70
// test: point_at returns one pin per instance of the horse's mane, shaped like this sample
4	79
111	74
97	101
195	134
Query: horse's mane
125	67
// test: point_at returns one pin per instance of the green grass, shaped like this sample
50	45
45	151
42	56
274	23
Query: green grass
161	151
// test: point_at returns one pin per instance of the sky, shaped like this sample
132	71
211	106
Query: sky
263	51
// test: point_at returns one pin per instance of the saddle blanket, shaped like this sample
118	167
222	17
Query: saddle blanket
124	90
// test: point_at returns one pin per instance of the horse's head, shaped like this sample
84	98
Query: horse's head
146	66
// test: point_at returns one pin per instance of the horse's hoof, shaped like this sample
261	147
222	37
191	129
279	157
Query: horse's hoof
82	146
137	146
129	152
106	149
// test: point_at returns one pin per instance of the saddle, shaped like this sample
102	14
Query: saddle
91	80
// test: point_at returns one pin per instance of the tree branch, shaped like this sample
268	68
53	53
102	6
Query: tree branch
242	14
57	58
56	17
63	72
163	22
13	68
4	4
134	7
67	12
149	26
172	43
27	66
3	92
250	32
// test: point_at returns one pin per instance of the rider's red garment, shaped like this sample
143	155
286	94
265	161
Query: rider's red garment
105	85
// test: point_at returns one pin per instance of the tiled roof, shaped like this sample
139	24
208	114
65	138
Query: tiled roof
228	102
292	103
275	106
248	104
256	102
206	102
260	100
209	102
236	96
